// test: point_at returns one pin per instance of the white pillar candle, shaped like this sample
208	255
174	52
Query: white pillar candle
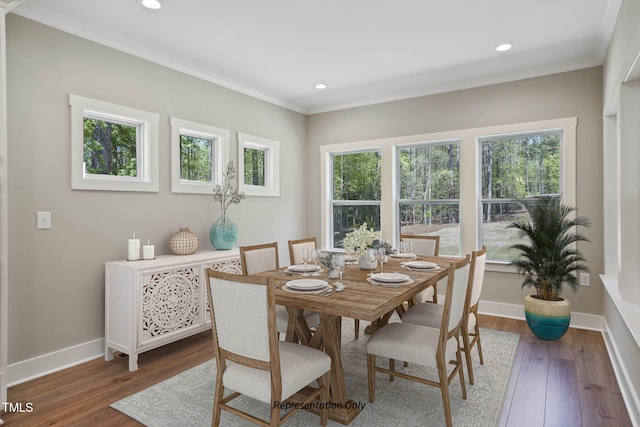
134	249
148	251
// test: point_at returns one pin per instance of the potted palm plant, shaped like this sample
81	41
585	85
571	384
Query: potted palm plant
547	261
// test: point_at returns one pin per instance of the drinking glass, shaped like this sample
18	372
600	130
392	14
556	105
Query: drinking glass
381	255
338	263
305	259
371	258
315	257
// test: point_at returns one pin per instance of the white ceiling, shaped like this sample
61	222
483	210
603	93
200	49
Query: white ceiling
366	51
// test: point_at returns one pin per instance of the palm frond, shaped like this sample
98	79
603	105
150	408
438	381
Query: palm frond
549	259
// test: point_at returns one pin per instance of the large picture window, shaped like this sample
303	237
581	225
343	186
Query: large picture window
429	192
514	167
113	147
462	185
356	193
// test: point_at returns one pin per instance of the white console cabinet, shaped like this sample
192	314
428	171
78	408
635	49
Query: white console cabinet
152	303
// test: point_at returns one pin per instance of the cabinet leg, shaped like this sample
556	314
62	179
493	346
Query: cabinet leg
133	362
108	354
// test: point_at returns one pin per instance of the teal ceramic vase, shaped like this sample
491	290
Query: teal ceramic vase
223	233
548	320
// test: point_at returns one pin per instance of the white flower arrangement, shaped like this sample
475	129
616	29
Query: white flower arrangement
360	240
225	193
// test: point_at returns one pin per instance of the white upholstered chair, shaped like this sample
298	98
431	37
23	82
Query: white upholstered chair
430	314
250	359
258	258
424	246
296	247
423	345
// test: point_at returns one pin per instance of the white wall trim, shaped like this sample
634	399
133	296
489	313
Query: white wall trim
626	388
39	366
587	321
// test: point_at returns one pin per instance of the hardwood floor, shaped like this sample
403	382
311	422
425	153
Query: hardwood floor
565	383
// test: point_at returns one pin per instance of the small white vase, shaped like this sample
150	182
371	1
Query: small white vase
365	264
333	274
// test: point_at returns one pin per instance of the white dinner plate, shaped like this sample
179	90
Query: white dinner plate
403	255
390	277
307	284
425	265
299	268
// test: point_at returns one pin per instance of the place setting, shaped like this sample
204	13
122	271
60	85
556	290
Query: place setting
308	286
392	280
418	265
304	269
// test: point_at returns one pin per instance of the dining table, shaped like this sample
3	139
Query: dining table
362	298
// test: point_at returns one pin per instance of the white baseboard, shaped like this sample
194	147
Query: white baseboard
628	392
48	363
516	311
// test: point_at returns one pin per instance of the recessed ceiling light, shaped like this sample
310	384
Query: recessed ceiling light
321	86
503	47
151	4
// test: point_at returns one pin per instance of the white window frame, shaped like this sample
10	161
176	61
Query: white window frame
271	187
470	194
219	153
146	123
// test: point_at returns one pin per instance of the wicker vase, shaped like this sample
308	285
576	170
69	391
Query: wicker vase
184	242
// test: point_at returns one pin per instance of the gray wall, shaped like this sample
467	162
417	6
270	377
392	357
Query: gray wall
577	93
56	277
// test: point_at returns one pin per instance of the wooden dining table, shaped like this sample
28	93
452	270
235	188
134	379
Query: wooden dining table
360	299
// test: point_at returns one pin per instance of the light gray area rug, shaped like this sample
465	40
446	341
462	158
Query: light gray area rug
186	400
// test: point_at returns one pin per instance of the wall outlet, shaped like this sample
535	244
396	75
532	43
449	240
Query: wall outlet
585	279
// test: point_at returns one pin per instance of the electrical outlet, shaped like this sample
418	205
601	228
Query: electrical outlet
585	279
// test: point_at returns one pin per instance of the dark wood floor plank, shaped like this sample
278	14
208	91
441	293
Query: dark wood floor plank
528	402
562	408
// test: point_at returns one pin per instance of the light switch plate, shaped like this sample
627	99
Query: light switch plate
43	220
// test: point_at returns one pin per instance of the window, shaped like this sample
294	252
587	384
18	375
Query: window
429	192
258	166
112	147
356	193
199	154
447	183
516	166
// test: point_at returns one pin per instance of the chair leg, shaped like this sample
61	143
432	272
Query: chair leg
435	293
461	373
217	397
326	378
444	391
392	368
274	421
467	354
479	345
356	327
371	377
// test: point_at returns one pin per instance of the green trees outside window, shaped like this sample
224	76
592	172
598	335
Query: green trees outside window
110	148
356	193
254	166
515	167
196	155
429	192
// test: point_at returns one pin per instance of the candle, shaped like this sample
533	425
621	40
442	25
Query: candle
134	249
148	251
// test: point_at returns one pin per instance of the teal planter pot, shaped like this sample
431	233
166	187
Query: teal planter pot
223	234
548	320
